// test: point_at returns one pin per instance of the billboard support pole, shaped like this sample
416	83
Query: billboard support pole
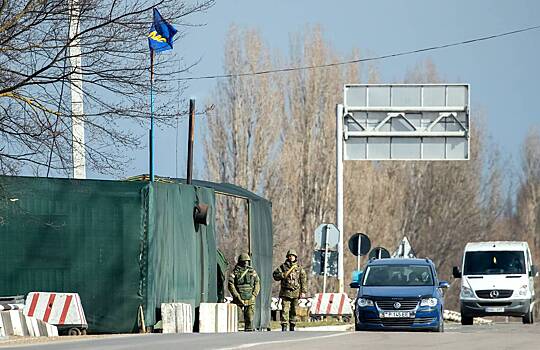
339	191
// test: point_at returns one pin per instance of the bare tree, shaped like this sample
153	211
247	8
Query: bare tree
35	113
242	139
528	195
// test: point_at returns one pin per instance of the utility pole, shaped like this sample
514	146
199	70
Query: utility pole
191	141
77	111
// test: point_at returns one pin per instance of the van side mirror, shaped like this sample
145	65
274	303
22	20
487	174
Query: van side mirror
444	284
456	272
534	271
354	285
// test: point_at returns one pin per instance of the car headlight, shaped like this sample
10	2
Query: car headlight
431	302
524	290
362	302
466	292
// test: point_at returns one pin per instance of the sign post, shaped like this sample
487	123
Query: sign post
324	258
325	240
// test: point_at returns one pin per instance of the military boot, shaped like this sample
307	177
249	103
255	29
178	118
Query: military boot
284	327
292	327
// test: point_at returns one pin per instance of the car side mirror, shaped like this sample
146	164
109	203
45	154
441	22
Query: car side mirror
456	272
444	284
356	278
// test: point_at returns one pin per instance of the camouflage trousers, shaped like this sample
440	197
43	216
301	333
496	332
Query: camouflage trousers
247	312
288	310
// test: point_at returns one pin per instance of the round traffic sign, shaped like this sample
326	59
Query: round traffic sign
326	234
379	253
365	244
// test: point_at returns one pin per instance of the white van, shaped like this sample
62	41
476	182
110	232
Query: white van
497	280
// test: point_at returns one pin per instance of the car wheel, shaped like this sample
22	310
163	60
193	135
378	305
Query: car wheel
357	327
466	320
440	328
528	318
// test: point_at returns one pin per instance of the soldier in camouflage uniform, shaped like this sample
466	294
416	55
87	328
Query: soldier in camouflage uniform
244	285
293	286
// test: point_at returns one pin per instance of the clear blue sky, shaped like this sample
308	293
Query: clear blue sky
503	73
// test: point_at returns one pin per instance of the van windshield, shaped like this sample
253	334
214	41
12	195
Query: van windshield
398	275
494	263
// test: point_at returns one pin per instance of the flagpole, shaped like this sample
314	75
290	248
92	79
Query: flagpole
151	115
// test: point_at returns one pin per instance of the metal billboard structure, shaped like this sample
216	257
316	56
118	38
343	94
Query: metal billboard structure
399	122
406	122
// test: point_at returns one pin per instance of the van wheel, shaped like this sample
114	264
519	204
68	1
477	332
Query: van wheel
466	320
528	318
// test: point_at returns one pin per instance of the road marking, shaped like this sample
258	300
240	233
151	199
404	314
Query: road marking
251	345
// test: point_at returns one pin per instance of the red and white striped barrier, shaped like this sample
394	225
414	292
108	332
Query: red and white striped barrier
334	304
61	309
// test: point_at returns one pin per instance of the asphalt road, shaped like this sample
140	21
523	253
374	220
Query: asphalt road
496	336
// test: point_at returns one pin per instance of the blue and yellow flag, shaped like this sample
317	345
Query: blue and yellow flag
161	34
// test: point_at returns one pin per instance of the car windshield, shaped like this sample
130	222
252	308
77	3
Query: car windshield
398	275
494	263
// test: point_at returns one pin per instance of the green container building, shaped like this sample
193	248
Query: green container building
121	245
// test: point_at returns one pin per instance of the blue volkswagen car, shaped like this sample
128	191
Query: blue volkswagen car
402	294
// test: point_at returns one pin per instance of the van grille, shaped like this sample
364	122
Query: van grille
495	303
494	293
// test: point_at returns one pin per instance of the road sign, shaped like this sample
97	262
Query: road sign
379	253
406	122
318	263
404	249
326	233
365	244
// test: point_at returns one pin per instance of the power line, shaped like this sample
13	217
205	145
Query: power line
375	58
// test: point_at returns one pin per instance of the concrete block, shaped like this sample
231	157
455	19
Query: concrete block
177	318
218	318
16	323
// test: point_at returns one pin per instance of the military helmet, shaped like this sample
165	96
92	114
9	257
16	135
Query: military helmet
292	252
244	257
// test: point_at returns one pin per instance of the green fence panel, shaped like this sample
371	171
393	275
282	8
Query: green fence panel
260	211
74	236
181	255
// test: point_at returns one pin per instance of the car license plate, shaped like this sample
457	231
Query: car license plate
396	314
494	309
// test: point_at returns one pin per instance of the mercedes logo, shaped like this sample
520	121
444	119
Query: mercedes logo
494	294
397	305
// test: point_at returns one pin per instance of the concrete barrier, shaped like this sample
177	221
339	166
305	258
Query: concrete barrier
455	316
14	322
177	318
61	309
7	307
218	318
331	304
